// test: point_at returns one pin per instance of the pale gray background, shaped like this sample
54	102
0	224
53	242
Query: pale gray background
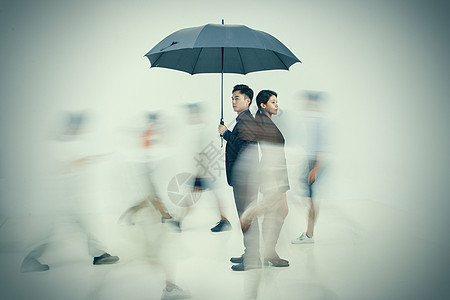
383	64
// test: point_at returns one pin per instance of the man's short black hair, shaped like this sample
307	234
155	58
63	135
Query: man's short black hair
244	90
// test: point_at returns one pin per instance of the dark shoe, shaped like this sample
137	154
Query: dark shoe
32	265
237	260
246	266
276	262
222	225
176	225
105	259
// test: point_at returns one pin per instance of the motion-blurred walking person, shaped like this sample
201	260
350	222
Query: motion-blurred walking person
314	141
74	161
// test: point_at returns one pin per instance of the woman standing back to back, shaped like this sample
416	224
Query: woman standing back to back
273	178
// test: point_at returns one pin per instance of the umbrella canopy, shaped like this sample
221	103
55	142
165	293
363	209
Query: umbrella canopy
215	48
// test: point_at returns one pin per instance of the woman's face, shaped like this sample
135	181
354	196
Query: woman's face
272	105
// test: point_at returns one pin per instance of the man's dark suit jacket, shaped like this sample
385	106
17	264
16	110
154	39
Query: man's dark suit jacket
243	134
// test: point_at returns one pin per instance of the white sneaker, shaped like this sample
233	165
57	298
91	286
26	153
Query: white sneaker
303	239
175	293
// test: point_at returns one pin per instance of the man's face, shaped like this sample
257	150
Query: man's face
240	102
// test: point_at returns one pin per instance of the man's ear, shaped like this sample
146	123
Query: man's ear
248	101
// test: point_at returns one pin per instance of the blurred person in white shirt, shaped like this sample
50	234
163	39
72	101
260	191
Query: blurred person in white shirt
314	139
74	203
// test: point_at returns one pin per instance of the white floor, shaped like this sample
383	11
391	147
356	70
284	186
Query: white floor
363	250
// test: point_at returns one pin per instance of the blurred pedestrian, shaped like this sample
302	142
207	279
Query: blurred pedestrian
148	214
204	177
74	160
313	133
142	165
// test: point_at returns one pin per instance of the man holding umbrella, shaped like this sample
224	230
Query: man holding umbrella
241	156
237	49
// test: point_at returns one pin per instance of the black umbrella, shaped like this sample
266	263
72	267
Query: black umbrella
215	48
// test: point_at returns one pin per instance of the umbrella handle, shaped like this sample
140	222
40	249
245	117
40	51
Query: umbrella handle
221	138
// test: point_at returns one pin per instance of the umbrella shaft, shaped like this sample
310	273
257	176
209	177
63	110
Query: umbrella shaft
221	99
221	90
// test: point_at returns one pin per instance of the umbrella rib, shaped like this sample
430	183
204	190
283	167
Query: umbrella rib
195	65
276	53
201	49
242	62
152	64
